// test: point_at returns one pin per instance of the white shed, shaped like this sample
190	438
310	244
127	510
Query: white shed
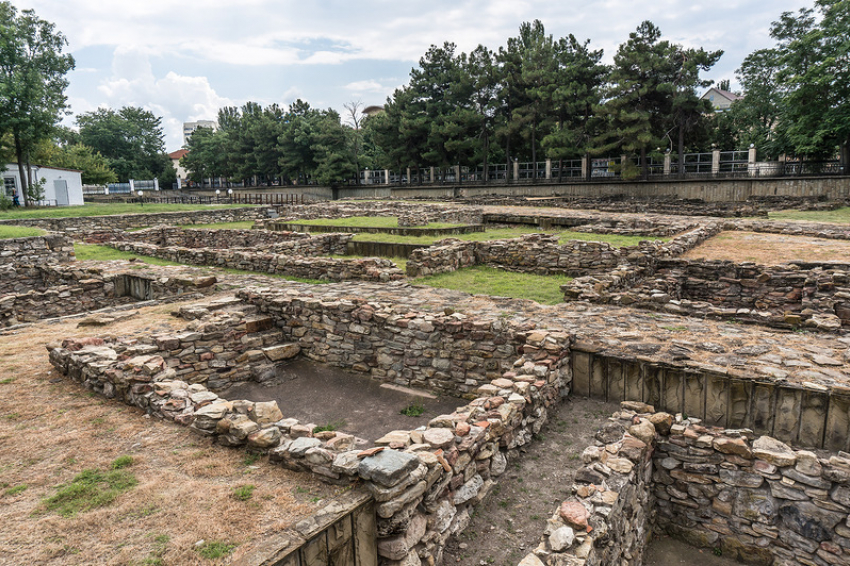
62	187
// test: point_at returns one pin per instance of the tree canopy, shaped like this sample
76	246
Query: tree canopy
131	140
540	97
33	79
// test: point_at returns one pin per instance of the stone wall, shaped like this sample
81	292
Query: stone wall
448	353
31	293
811	295
751	497
648	226
542	254
36	250
346	209
424	482
662	204
607	518
294	243
302	266
141	220
812	229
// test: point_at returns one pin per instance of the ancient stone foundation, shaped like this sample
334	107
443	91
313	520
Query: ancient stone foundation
284	253
37	250
142	219
424	482
542	254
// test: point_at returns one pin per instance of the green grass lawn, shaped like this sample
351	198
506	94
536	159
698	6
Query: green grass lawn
7	232
615	240
105	253
106	209
367	222
246	225
839	216
483	280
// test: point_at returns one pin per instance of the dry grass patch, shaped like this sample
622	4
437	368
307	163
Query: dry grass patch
770	249
52	429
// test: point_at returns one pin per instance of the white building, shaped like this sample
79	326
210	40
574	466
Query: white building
190	127
62	187
175	157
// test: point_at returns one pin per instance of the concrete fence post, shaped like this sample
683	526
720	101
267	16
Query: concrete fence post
431	174
667	164
715	161
516	170
584	165
548	169
386	176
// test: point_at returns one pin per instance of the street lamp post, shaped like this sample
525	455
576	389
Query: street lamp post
141	200
230	195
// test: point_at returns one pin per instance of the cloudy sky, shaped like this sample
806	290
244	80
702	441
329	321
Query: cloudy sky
183	60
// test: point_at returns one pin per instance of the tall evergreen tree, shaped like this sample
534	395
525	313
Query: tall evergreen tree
640	95
577	93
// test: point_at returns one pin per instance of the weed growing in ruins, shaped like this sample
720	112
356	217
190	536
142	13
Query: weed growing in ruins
250	459
7	380
413	410
329	427
675	328
92	488
215	549
244	492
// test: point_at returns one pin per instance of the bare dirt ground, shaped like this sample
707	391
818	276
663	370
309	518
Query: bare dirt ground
51	429
350	402
509	523
770	249
666	551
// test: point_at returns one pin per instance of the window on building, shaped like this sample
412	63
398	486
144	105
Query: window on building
9	186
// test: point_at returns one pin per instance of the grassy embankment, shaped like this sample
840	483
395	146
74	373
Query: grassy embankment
106	210
7	232
838	216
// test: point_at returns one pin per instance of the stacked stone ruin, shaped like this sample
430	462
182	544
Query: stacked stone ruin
735	490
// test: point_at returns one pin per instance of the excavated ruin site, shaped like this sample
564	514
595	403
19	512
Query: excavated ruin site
679	390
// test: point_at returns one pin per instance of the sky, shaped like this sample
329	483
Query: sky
185	60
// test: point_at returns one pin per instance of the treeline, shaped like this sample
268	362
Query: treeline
796	93
536	98
540	98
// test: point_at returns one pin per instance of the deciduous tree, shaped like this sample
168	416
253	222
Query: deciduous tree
33	79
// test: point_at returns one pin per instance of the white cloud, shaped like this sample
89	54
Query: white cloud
366	86
176	98
342	45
